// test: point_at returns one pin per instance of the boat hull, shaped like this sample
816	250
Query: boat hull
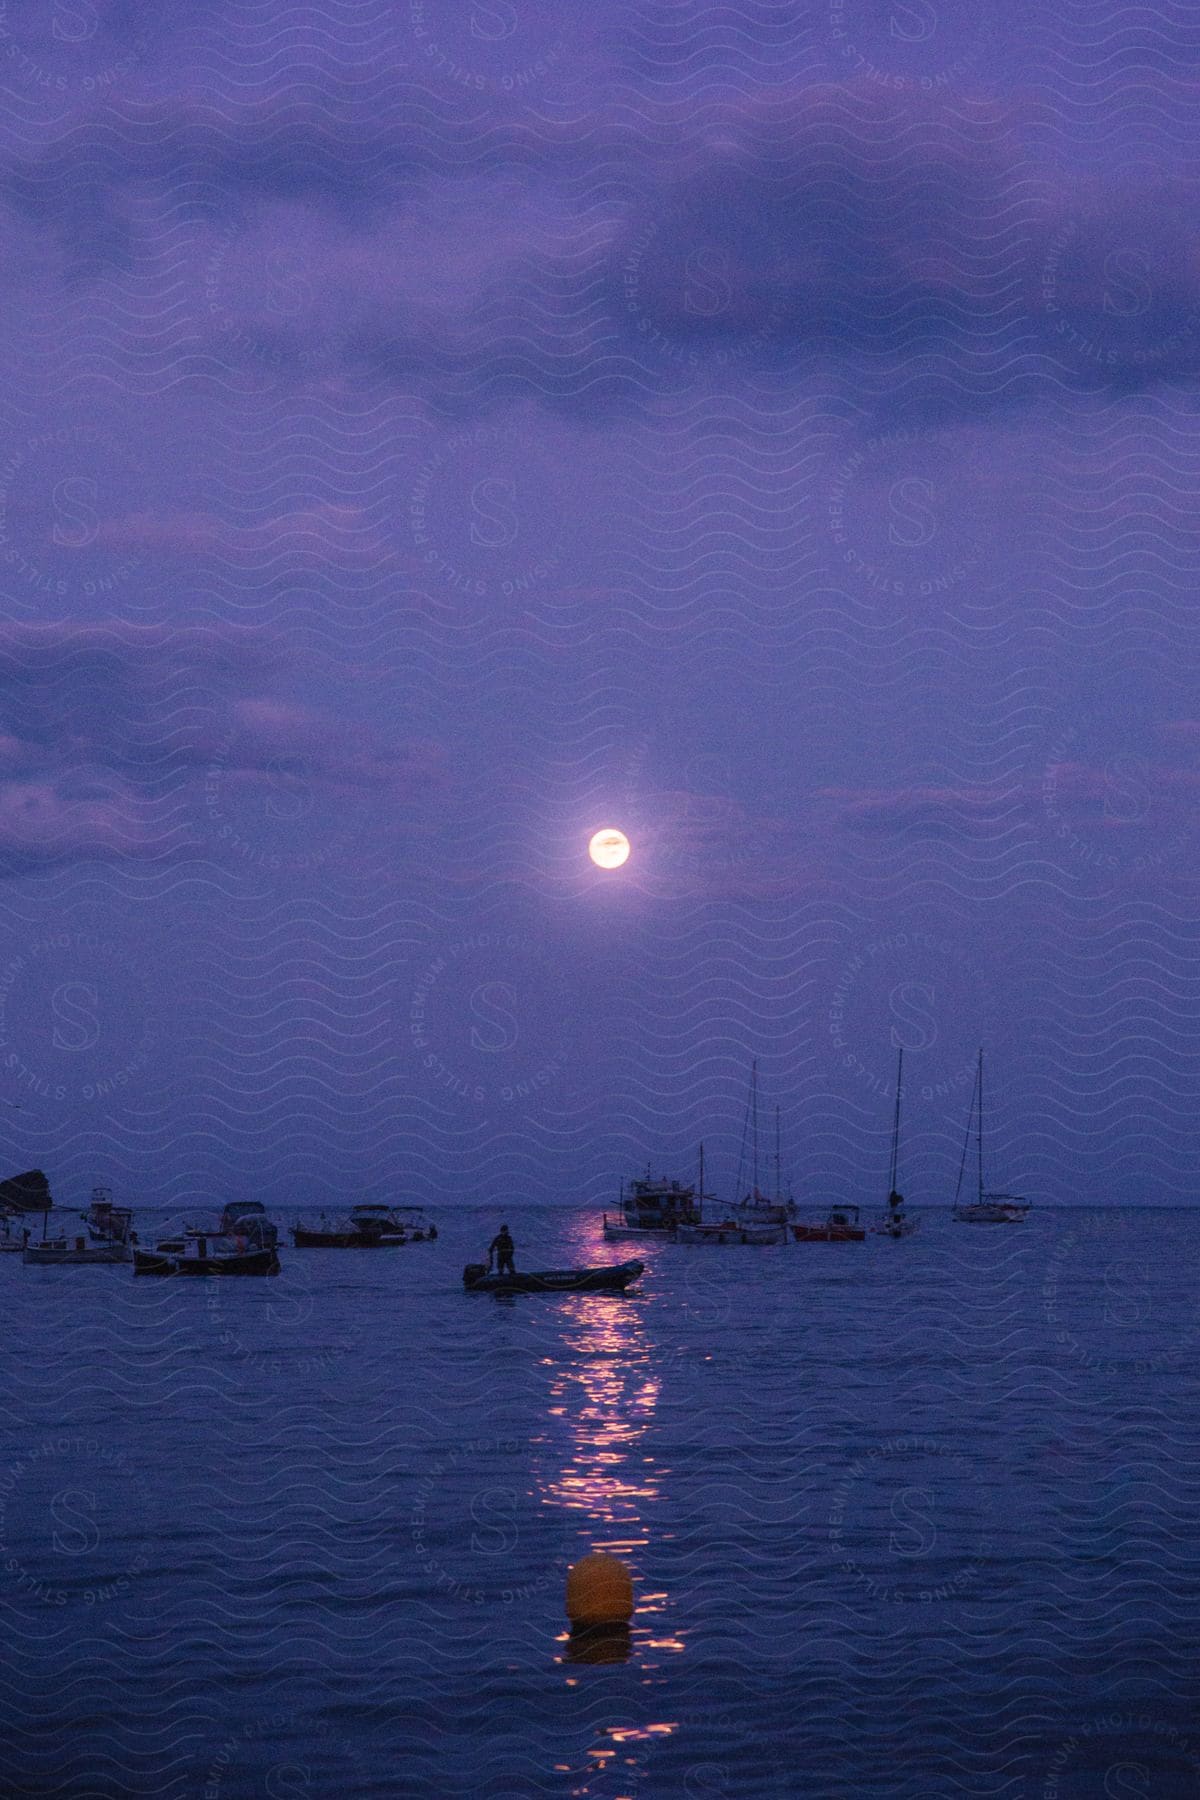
987	1214
248	1262
49	1256
759	1212
304	1239
614	1230
829	1234
732	1233
612	1280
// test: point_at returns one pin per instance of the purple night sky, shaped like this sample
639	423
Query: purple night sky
437	429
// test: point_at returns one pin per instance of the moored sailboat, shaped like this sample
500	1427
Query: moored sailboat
988	1208
756	1208
895	1222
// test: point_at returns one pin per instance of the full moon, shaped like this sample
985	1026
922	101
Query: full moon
608	849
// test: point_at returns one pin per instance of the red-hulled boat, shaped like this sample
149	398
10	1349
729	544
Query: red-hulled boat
841	1227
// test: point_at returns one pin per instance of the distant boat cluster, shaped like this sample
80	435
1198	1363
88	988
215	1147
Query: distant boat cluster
244	1241
675	1210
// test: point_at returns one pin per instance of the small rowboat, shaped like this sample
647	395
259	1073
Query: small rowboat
613	1279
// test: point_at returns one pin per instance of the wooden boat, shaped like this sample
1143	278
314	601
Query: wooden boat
988	1208
195	1255
732	1231
369	1226
652	1207
613	1279
68	1252
895	1222
841	1227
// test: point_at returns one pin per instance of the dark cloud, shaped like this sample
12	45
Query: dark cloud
109	732
899	229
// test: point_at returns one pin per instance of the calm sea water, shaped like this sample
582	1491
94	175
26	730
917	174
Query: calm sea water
912	1518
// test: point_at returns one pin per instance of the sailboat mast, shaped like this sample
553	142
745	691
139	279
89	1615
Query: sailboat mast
754	1117
979	1079
896	1119
778	1162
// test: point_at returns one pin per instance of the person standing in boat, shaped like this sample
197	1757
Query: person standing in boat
502	1247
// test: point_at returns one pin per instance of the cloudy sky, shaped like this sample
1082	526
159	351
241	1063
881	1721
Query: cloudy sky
434	430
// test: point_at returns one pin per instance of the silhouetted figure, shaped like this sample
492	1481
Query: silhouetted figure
895	1201
502	1247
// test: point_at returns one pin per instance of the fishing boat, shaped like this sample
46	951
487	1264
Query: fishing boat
193	1254
840	1227
106	1223
368	1226
613	1279
988	1208
63	1252
755	1207
652	1207
895	1222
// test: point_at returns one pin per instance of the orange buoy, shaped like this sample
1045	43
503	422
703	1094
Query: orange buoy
599	1591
